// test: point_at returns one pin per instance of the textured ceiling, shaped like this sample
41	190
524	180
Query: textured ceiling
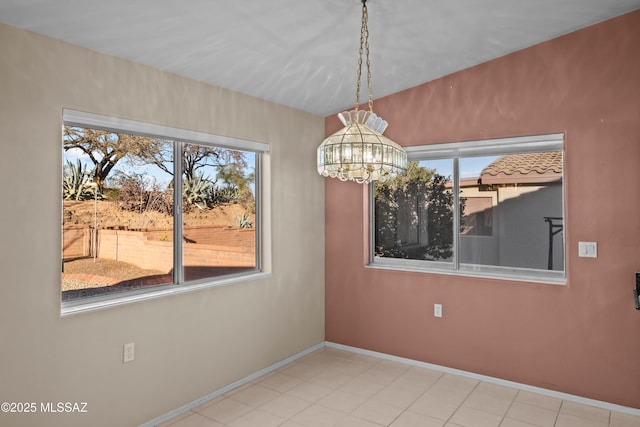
303	53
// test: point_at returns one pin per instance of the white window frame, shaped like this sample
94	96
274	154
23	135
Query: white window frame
455	151
95	121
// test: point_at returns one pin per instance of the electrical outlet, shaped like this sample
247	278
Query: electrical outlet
437	310
129	352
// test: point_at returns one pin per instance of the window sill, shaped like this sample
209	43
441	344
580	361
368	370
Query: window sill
530	276
106	301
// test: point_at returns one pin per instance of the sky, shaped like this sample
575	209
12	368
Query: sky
470	167
154	173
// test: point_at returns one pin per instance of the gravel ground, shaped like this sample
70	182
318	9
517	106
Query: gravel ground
107	268
116	270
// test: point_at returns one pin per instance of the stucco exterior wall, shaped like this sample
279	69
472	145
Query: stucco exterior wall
517	216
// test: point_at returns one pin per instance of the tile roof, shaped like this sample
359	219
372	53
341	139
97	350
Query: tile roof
524	168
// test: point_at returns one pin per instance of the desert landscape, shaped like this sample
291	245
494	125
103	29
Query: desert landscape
108	214
89	273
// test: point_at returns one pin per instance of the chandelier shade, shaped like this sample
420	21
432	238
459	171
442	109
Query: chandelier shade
359	152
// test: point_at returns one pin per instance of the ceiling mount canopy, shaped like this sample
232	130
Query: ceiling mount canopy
359	152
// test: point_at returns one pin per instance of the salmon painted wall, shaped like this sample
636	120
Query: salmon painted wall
581	338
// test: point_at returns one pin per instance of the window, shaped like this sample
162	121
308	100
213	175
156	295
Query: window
126	230
487	208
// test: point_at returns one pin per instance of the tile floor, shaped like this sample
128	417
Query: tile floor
334	387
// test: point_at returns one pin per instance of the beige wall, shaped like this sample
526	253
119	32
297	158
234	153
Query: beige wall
187	345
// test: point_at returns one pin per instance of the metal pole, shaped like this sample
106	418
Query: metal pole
95	223
553	230
95	219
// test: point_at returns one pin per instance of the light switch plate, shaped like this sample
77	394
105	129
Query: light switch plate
437	310
588	249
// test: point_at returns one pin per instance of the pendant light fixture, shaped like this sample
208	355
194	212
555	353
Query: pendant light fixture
359	152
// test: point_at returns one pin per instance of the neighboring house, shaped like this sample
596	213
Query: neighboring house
519	195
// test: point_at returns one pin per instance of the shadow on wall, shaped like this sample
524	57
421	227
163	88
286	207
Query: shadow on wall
519	217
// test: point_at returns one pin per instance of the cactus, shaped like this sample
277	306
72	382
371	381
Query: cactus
244	221
195	191
76	184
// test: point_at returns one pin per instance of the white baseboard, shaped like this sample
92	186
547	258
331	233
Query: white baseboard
492	380
189	406
384	356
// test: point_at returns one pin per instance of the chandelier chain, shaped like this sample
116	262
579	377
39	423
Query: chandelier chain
364	48
359	152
